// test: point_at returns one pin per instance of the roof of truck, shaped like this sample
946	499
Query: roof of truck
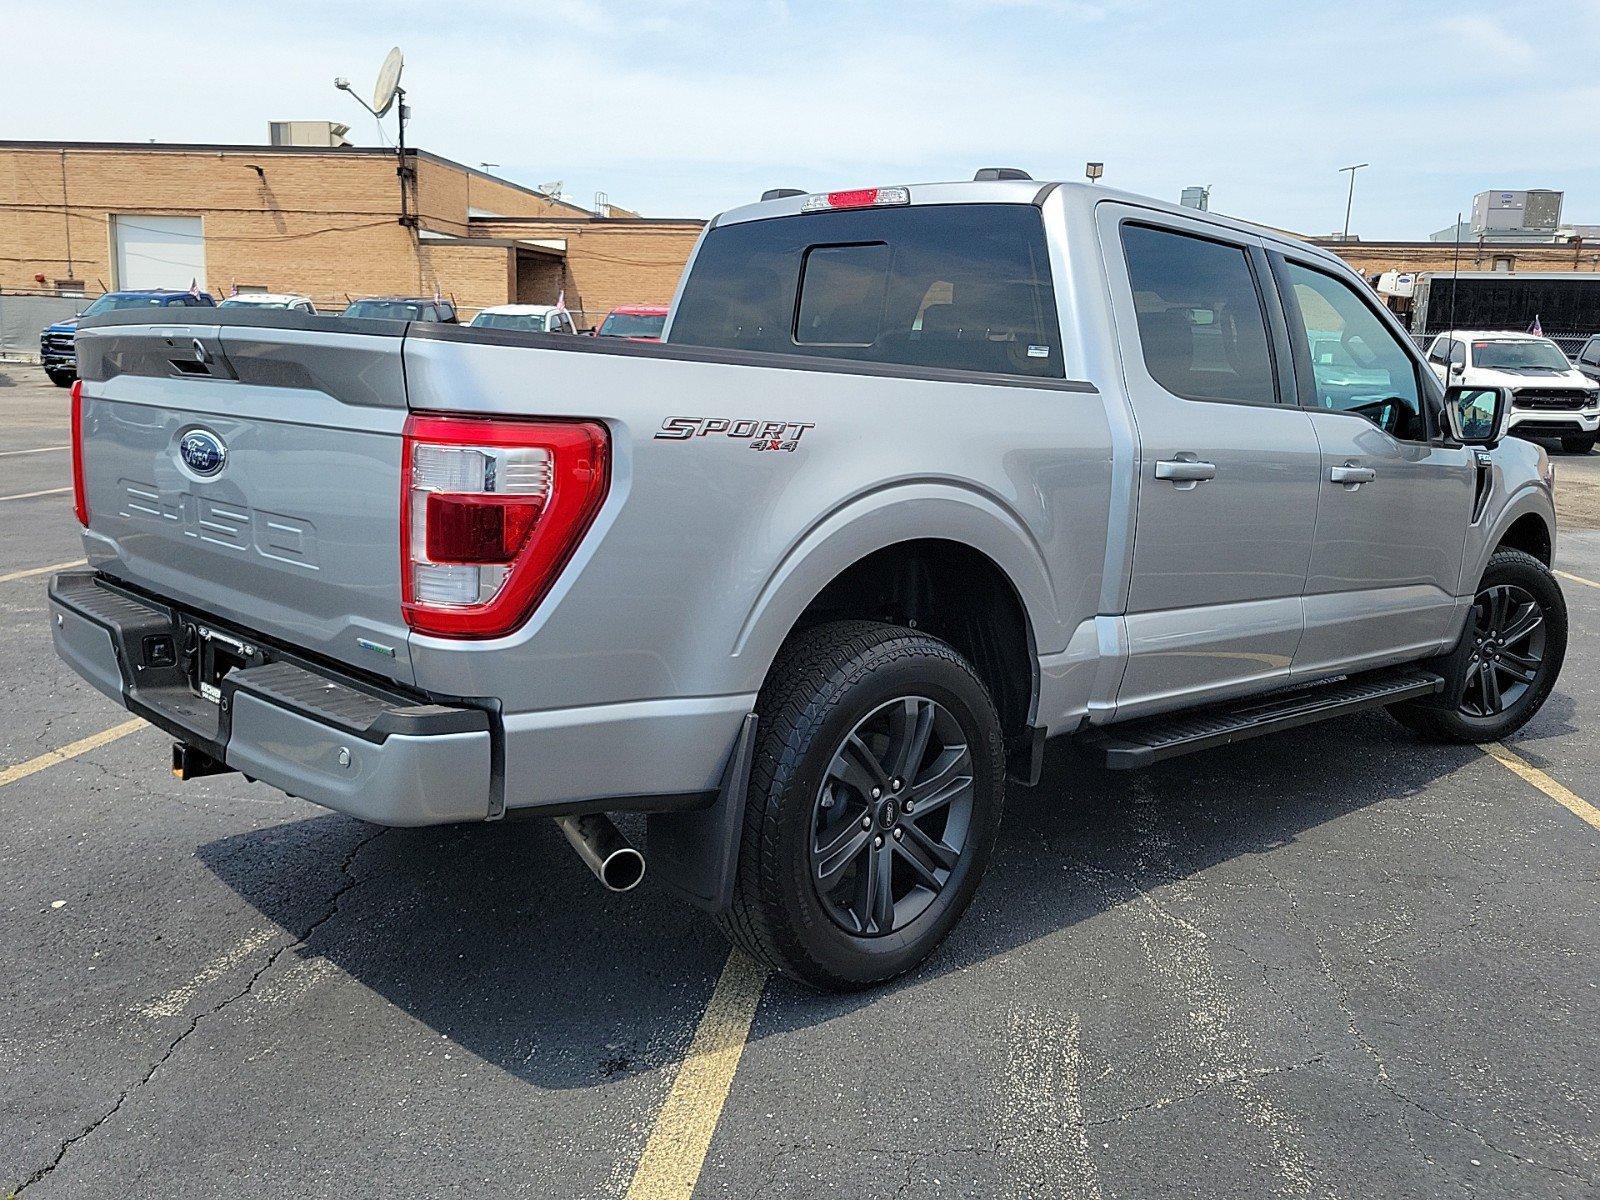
1492	335
1025	191
520	310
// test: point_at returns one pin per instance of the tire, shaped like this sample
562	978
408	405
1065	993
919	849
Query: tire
1580	444
61	378
1469	709
804	892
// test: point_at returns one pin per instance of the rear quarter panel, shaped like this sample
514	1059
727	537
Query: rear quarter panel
707	549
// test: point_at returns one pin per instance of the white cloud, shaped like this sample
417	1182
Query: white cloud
1485	36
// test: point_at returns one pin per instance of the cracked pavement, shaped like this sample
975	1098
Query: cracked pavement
1338	963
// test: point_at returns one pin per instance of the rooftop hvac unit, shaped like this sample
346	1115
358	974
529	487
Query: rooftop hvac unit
308	133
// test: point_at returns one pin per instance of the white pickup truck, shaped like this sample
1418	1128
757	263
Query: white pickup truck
919	477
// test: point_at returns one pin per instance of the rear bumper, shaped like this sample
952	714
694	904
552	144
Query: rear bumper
314	733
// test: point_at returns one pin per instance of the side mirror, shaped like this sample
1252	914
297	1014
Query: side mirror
1478	416
1456	368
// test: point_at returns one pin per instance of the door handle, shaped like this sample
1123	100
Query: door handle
1351	475
1181	470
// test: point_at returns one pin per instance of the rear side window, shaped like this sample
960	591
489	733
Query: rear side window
956	287
1201	326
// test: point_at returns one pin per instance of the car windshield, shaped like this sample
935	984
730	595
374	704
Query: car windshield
633	325
248	302
111	302
528	321
386	310
1519	355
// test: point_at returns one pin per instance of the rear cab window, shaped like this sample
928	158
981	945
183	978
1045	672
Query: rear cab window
950	287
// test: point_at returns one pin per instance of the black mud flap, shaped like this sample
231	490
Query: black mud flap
696	853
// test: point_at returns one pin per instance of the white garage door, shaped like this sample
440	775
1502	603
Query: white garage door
159	252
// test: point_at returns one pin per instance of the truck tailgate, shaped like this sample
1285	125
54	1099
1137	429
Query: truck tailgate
282	512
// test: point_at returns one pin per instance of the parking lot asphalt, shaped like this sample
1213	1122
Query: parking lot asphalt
1338	962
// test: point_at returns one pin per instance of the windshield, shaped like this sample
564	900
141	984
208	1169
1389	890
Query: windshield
386	310
110	303
247	302
633	325
1516	356
527	321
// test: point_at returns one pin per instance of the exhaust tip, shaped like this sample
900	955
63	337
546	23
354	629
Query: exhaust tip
622	870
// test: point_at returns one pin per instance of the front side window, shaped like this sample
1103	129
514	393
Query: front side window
1591	352
1356	364
1201	325
941	287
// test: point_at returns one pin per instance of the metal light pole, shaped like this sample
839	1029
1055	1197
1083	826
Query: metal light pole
1351	198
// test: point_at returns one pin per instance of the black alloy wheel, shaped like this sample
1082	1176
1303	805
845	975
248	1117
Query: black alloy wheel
892	816
1508	649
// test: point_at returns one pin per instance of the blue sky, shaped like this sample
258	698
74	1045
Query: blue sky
685	107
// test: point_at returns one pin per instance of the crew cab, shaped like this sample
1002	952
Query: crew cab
919	477
58	343
1550	397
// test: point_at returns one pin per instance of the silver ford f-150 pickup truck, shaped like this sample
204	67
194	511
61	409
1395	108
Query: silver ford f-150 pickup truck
919	477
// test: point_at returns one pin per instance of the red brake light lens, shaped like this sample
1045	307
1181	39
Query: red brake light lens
857	198
491	510
80	498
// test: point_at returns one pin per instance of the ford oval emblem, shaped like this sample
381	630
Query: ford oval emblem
202	452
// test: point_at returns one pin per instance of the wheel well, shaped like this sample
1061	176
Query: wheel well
954	593
1529	534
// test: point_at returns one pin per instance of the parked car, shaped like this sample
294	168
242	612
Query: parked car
402	308
1549	396
269	300
636	322
530	318
1588	359
58	346
921	477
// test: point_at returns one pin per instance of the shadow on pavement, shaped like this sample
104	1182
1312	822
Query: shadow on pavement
496	937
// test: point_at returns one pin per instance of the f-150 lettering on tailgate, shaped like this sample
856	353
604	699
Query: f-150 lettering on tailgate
273	535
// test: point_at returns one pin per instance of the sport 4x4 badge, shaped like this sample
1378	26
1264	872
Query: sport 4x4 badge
762	435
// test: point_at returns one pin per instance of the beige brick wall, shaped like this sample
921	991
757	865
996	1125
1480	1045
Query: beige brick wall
1373	258
322	224
611	262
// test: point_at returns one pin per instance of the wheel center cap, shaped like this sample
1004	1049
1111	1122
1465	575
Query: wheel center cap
888	814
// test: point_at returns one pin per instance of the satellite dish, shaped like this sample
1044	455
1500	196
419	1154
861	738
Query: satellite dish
388	82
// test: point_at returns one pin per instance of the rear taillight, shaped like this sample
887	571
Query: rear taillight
490	512
80	500
859	198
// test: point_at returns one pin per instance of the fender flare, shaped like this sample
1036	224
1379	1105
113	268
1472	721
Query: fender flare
888	516
1532	498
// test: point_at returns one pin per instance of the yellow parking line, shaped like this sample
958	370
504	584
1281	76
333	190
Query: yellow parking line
71	750
32	571
670	1166
1562	795
1578	579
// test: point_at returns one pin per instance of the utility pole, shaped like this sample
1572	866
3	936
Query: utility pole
1351	198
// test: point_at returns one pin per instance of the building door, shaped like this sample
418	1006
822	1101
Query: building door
158	252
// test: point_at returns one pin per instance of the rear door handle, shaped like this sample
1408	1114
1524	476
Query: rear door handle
1351	475
1181	470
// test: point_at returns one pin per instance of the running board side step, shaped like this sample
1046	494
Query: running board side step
1148	740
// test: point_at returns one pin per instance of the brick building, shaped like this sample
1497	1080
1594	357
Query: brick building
330	222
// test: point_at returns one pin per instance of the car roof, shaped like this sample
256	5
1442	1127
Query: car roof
266	297
401	300
1494	335
520	310
1030	191
641	310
